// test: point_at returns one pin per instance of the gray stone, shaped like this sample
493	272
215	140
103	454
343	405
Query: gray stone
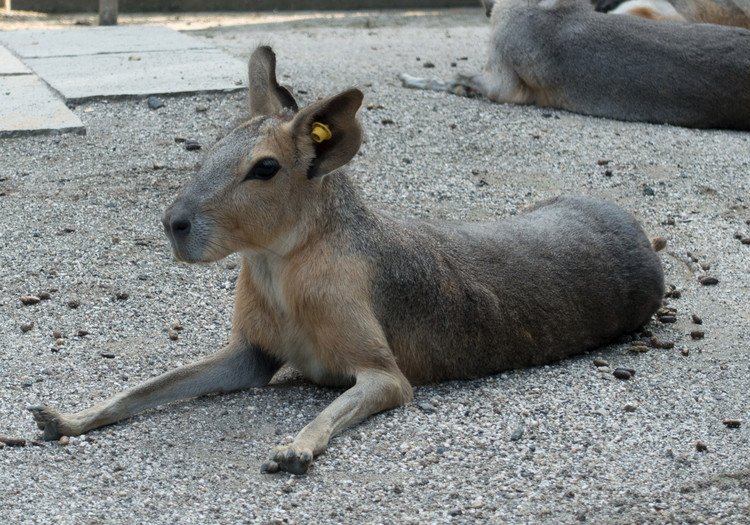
27	107
98	41
10	65
84	77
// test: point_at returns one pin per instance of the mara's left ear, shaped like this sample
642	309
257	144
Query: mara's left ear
266	96
328	132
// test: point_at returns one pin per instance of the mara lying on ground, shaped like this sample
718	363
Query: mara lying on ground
356	298
563	54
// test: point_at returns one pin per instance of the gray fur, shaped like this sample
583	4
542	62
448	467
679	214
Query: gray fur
563	54
472	299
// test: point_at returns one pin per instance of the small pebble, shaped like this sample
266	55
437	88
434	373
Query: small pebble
176	325
648	191
398	488
705	266
28	300
685	351
516	434
83	333
64	441
700	446
428	65
666	310
697	334
745	240
387	122
172	335
107	355
154	102
26	327
426	407
696	319
658	343
630	408
12	441
74	303
706	280
192	145
122	296
732	423
201	108
59	341
639	347
622	373
667	319
600	362
658	243
158	165
45	296
603	162
57	334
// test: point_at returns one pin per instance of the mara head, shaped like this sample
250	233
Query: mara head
259	185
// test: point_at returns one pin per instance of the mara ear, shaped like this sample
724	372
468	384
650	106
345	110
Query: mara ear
328	132
266	96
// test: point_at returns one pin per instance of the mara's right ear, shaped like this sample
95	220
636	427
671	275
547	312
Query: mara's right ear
327	132
266	96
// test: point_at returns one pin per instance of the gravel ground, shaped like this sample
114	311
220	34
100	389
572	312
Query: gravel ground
556	444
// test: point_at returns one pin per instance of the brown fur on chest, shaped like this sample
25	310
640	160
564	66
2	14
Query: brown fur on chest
313	310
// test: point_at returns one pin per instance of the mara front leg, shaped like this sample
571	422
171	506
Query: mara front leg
373	392
235	367
461	85
496	82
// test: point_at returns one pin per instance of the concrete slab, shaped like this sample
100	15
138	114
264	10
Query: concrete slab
28	107
97	40
10	65
79	78
124	61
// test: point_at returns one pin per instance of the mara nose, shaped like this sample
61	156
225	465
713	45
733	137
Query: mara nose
176	224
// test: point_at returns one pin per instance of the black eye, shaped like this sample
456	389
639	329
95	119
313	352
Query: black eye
264	169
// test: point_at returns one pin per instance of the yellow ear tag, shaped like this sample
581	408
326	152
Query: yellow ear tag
320	132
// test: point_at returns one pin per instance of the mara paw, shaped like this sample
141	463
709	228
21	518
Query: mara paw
289	458
51	422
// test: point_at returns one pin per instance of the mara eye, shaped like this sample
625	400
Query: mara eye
264	169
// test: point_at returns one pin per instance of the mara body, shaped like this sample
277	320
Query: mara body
353	297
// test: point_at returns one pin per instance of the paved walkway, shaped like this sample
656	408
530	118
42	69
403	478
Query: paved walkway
41	71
